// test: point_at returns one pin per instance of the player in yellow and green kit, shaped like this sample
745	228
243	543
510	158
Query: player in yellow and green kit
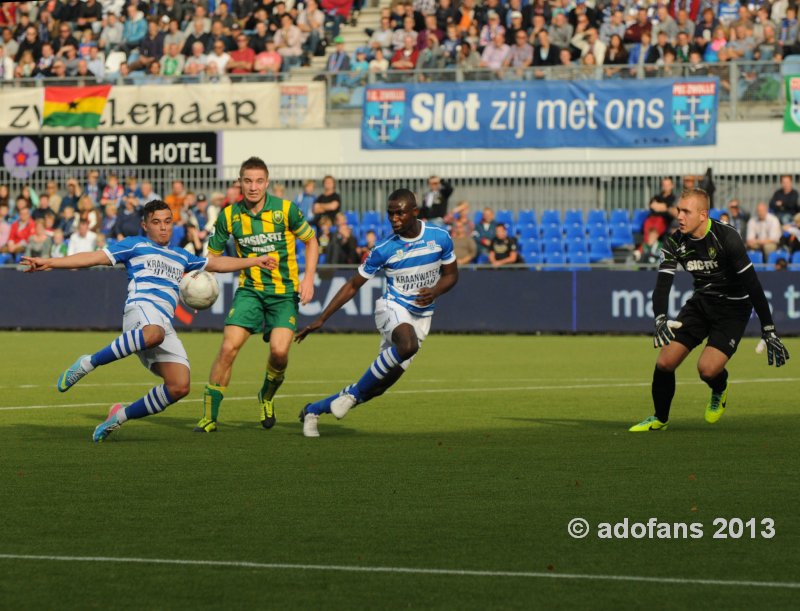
265	302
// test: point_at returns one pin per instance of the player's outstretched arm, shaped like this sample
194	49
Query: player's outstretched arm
307	283
663	334
80	260
345	294
446	281
235	264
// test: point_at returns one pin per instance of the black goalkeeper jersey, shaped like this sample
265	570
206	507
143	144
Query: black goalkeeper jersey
715	261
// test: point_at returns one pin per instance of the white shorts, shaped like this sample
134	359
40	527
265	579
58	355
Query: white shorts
171	350
389	314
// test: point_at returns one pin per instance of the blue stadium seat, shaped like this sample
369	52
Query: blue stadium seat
715	213
619	216
756	256
579	262
551	232
778	254
532	258
638	218
554	245
482	259
352	218
371	217
477	217
178	233
796	257
621	235
504	216
599	249
575	231
576	245
530	244
596	217
528	231
551	217
573	217
555	258
598	231
526	217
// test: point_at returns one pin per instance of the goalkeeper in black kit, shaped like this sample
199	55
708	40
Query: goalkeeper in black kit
726	289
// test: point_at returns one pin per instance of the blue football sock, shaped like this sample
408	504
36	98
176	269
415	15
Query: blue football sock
381	366
126	344
322	406
153	402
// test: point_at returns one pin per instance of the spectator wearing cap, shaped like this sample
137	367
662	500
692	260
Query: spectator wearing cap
514	26
243	58
490	31
338	61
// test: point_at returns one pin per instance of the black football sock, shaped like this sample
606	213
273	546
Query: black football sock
718	383
663	391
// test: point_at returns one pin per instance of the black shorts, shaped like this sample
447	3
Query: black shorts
721	320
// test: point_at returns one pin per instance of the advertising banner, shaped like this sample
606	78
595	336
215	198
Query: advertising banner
541	114
483	301
189	107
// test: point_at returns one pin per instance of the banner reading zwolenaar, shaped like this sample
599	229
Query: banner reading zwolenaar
542	114
791	114
206	107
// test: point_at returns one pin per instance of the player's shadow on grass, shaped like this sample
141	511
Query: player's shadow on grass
568	422
287	426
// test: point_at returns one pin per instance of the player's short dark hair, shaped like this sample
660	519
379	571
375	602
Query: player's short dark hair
403	196
499	225
698	194
253	163
150	208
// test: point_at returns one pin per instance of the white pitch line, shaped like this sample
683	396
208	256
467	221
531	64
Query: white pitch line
426	391
408	570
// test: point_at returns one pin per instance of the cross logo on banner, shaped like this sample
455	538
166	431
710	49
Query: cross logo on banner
693	109
384	110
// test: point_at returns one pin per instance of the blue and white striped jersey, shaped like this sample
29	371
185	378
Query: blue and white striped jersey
410	265
153	271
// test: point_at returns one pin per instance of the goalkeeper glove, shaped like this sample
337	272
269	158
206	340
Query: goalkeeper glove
777	353
663	334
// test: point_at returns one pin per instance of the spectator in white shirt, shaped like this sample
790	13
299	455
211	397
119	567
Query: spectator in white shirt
763	230
82	241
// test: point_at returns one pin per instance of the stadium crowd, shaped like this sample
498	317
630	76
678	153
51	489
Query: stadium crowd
85	215
160	40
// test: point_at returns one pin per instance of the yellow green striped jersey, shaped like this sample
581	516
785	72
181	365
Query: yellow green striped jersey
274	231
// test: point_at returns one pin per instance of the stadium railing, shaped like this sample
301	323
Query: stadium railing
748	89
586	185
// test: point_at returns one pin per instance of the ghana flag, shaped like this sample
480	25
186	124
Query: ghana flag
74	106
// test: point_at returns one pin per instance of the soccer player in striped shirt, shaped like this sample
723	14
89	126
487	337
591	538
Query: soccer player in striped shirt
264	303
154	270
420	266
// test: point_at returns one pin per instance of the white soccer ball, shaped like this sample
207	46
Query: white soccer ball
199	290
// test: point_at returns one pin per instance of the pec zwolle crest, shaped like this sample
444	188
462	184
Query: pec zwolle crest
794	91
693	109
383	114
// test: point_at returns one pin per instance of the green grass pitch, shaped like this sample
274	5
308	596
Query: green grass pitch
475	461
